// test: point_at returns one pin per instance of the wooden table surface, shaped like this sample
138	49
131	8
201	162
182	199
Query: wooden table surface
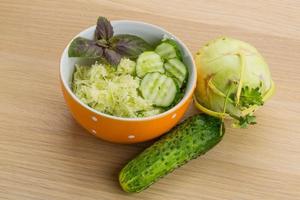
45	154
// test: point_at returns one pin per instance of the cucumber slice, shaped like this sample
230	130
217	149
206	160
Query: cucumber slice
166	51
176	69
158	89
147	62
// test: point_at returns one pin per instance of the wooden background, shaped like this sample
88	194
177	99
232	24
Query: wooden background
44	154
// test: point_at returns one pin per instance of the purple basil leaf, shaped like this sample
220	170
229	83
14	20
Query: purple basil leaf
102	43
104	29
129	45
81	47
112	57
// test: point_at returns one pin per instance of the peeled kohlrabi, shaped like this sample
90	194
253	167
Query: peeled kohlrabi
126	66
233	80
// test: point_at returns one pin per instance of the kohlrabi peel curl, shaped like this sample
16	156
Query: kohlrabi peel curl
233	80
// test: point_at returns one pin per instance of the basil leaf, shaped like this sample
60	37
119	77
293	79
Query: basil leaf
81	47
104	29
112	57
102	43
129	45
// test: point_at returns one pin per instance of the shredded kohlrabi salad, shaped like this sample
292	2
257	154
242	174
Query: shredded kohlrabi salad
112	91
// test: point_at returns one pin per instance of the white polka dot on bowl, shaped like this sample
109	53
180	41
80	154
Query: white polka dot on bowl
173	116
131	136
94	119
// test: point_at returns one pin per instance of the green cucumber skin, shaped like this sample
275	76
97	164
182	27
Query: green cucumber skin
188	140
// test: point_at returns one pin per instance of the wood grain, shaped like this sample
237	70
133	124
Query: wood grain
44	154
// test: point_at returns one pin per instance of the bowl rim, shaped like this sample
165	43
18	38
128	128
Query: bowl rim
189	93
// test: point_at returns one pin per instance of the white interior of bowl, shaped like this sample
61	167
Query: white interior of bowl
148	32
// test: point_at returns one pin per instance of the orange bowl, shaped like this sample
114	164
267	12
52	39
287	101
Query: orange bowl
119	129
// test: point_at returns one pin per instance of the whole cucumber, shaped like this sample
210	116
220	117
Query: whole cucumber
188	140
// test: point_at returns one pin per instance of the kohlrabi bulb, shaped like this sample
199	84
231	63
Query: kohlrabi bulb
233	80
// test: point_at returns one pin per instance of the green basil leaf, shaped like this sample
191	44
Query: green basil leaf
81	47
104	29
129	45
112	57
